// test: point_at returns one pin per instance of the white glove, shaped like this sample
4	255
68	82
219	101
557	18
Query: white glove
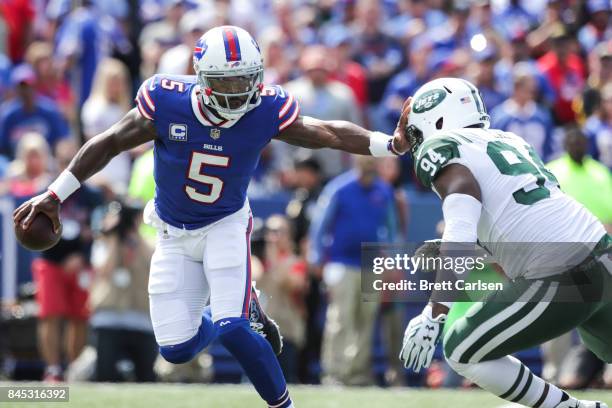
420	339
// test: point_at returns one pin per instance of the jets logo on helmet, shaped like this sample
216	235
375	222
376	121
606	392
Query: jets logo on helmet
229	67
444	104
429	100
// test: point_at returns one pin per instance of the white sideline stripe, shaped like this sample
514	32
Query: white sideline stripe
494	321
518	326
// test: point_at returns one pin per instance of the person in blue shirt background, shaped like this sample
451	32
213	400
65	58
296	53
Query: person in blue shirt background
484	77
84	38
27	112
355	207
522	115
405	83
598	128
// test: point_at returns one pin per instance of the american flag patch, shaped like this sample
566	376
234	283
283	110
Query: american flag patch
465	99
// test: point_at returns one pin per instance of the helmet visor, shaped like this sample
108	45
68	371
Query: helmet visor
232	92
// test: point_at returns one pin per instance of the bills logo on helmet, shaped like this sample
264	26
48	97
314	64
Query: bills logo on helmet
200	48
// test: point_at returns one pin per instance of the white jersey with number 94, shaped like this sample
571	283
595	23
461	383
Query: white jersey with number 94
521	201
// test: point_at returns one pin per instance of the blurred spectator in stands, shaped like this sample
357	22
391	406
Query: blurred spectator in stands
18	17
62	276
389	171
277	66
355	207
109	101
414	17
324	99
142	189
269	176
178	60
377	52
583	177
598	28
118	299
4	165
5	72
598	129
292	19
48	82
84	38
481	25
343	68
405	83
565	71
452	36
521	114
514	18
483	71
158	36
519	51
538	39
600	73
28	112
590	183
391	311
284	282
29	173
308	181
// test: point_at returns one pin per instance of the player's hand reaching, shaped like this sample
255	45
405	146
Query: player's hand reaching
420	339
400	141
43	203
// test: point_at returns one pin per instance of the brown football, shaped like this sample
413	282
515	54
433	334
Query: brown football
40	235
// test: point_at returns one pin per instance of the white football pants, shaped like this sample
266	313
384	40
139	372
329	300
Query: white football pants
192	268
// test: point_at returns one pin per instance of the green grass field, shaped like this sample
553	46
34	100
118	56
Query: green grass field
243	396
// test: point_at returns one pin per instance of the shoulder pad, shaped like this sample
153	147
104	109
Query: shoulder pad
433	154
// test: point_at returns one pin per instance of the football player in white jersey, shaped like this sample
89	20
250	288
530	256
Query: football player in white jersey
496	192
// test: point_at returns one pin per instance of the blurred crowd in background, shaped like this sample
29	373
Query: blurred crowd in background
69	70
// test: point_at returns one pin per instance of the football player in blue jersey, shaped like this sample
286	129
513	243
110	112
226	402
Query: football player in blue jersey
209	130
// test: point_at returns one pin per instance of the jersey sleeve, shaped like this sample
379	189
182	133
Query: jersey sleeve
287	107
145	98
433	155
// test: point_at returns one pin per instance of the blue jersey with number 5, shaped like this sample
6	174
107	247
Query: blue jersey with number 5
203	164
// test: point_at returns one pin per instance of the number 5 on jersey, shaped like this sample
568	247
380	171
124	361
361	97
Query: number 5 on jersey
196	173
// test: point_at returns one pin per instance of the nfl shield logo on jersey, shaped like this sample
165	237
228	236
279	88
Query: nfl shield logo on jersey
215	133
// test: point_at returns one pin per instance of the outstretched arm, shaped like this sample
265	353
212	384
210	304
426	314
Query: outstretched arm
131	131
341	135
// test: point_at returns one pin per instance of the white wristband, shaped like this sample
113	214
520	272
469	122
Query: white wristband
64	185
381	145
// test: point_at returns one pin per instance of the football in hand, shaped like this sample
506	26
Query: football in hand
40	235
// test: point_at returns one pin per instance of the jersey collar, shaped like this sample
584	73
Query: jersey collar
203	114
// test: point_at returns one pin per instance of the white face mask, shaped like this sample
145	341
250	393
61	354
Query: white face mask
231	96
